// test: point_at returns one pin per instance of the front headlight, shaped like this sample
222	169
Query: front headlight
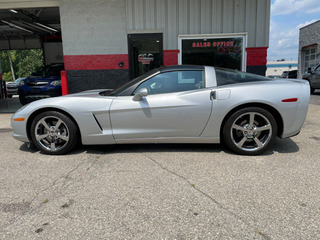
21	83
56	83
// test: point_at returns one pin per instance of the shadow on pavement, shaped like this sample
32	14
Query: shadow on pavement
10	105
132	148
280	146
283	146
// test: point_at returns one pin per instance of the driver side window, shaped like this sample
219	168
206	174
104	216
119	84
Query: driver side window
177	81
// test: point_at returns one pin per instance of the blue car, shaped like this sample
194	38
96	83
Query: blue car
43	84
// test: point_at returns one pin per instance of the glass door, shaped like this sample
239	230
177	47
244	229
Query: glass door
145	53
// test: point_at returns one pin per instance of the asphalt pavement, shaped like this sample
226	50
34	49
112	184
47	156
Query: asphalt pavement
162	191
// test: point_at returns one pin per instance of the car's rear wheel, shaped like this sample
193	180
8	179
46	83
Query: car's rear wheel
54	133
9	96
250	131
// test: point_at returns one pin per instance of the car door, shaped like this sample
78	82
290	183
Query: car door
315	78
177	105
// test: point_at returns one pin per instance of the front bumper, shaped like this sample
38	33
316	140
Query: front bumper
19	128
12	91
32	94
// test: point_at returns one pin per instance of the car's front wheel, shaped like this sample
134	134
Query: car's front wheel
54	133
250	131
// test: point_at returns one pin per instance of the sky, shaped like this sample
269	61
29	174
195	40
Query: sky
287	17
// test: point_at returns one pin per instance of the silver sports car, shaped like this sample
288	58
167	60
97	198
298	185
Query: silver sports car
176	104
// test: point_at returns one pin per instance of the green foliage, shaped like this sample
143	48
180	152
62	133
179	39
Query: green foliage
7	76
24	63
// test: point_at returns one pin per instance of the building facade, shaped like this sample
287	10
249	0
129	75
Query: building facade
309	47
105	43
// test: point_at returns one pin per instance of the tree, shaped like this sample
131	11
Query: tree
24	63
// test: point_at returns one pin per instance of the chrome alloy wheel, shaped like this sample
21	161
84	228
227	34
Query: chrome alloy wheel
51	133
251	131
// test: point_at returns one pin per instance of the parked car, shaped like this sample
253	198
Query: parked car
42	84
274	76
12	87
313	77
292	74
284	74
176	104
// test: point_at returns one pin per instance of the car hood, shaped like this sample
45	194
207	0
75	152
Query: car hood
83	102
12	84
90	93
306	74
42	78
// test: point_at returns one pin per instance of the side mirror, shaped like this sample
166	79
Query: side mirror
309	70
143	92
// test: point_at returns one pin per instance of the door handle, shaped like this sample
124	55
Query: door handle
213	95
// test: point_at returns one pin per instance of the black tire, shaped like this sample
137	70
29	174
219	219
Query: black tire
241	131
22	99
312	90
54	133
9	96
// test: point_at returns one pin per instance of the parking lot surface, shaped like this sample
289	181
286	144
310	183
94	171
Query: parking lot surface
162	191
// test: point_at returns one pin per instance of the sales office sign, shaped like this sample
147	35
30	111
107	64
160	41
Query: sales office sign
222	47
215	50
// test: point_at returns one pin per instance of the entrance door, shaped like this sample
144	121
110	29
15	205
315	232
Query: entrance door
145	53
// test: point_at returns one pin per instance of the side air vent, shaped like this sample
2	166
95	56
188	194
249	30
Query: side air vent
97	122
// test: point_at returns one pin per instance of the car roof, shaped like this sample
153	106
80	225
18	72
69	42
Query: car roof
181	67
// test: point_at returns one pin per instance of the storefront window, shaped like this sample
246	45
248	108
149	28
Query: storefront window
225	52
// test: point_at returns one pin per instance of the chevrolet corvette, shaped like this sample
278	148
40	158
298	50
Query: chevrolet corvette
175	104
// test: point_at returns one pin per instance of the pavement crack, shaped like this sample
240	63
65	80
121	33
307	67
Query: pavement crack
65	176
257	231
55	182
31	210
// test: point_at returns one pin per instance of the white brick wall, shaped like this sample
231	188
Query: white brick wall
308	35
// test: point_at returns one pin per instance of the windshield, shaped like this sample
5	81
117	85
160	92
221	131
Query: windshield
131	83
50	70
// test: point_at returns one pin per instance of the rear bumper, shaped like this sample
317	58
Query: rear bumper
294	121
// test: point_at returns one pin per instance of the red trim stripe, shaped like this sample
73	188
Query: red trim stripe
170	57
96	62
310	46
256	56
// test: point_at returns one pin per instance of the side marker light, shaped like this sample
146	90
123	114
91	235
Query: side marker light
290	100
19	119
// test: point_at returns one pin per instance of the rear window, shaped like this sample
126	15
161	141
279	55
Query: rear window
228	76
